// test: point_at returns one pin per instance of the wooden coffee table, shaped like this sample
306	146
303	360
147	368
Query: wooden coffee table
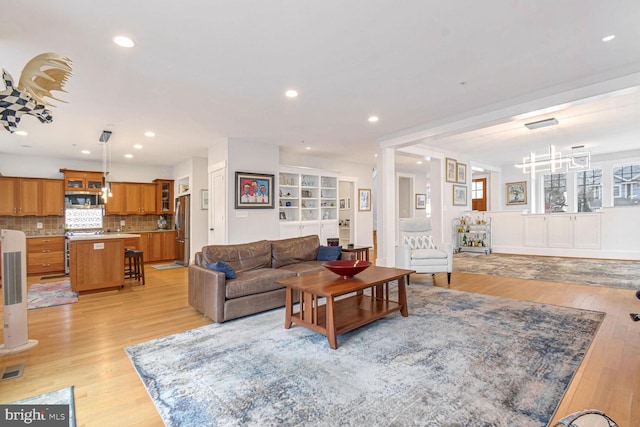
340	315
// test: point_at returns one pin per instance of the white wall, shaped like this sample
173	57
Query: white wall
247	225
48	167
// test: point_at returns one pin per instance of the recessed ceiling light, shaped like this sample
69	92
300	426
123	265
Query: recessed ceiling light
609	38
129	156
291	93
137	146
308	148
123	41
419	162
375	155
21	133
149	134
373	119
85	152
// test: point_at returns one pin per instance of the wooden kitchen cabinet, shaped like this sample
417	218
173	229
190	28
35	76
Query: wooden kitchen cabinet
75	180
45	255
158	245
116	204
31	196
140	199
168	245
96	264
52	202
164	196
8	194
19	196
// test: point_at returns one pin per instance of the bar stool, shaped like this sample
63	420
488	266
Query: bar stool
134	264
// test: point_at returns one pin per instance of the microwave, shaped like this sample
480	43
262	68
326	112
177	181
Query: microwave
82	199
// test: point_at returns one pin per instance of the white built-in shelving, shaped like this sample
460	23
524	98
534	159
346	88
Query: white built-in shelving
308	204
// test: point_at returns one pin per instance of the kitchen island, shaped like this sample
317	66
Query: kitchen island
97	261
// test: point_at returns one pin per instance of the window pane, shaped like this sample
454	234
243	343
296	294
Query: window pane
626	185
589	190
477	189
555	192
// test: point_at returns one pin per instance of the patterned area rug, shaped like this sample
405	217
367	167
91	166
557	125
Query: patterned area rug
59	397
459	359
49	294
581	271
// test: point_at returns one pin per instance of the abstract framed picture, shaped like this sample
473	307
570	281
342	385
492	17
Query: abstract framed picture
364	197
254	191
421	201
459	195
462	173
516	193
450	170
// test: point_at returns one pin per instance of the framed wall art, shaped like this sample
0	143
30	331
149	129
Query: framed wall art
421	201
450	170
254	191
459	195
516	193
462	173
364	197
204	199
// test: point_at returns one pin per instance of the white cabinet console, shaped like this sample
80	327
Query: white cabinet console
611	233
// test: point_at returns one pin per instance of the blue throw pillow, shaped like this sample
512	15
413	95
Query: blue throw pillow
329	253
222	267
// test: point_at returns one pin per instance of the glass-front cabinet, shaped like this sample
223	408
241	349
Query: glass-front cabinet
164	198
75	180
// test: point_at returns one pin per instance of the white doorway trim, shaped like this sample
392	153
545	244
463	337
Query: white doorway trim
217	217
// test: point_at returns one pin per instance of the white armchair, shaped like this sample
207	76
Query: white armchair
418	251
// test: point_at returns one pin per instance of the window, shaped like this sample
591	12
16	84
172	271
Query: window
626	185
589	190
428	205
555	192
477	189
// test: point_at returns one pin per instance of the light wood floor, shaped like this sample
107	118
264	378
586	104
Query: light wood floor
83	344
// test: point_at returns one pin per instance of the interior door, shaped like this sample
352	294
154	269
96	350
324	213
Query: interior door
479	194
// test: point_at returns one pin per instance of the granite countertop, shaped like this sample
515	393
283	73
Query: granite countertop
102	236
106	233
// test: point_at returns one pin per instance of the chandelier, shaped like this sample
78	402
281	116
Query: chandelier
554	161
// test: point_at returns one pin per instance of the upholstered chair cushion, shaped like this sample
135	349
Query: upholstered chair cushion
424	241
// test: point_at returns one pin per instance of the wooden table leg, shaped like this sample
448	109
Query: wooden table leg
331	325
402	296
288	311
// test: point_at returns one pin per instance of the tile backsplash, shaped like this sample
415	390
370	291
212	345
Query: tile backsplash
54	225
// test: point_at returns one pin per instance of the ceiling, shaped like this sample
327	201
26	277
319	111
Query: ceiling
206	70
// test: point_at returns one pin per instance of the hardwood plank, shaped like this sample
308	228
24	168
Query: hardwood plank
83	345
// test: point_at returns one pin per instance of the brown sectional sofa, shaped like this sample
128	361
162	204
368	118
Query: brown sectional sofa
258	265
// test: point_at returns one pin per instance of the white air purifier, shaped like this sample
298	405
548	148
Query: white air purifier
14	292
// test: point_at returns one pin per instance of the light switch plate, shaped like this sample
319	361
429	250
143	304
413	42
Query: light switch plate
122	223
38	225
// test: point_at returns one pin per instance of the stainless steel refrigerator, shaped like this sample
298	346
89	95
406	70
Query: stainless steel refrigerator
182	229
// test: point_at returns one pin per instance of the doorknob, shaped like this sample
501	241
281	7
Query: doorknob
211	229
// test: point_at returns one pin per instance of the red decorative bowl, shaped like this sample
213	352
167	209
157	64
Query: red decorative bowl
346	268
